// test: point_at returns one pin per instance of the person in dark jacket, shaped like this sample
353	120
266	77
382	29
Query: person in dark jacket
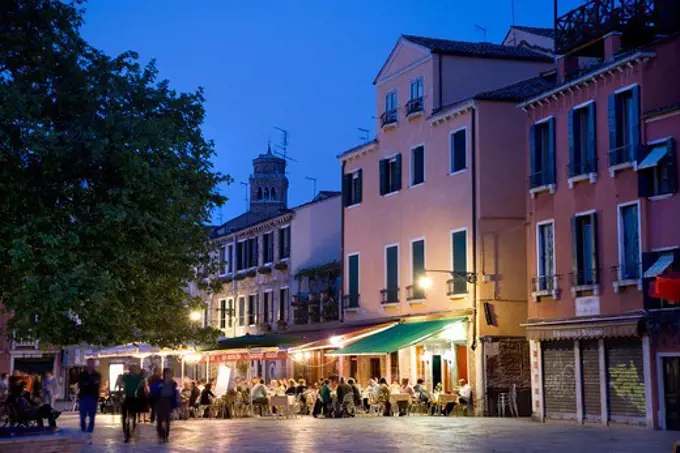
342	391
89	383
324	400
193	398
356	391
166	398
206	399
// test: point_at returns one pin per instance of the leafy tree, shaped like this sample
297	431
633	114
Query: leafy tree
106	185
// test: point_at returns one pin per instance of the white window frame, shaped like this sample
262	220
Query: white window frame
234	319
411	163
410	85
231	258
619	240
223	259
268	263
355	175
271	301
278	247
287	305
223	314
245	268
467	151
390	158
595	288
387	246
468	259
243	315
248	324
410	252
536	294
396	99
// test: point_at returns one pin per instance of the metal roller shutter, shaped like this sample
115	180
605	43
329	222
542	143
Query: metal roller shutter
590	367
625	380
559	381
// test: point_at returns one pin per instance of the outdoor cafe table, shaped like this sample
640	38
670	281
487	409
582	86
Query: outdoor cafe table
396	398
442	399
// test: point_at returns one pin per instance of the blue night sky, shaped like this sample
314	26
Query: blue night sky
306	66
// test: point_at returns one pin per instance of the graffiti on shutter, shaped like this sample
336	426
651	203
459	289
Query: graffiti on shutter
626	382
559	382
590	367
506	364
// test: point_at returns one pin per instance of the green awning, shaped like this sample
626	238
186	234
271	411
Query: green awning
653	157
397	337
248	341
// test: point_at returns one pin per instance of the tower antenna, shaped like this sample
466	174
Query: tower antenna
314	181
364	134
483	30
284	145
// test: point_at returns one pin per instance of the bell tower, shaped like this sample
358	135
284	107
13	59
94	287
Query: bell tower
268	184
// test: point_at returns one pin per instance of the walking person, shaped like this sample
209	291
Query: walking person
166	398
131	383
89	382
153	379
49	389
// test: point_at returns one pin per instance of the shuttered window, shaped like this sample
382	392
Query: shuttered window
546	257
392	267
268	247
559	379
390	175
351	188
657	171
582	143
252	309
625	379
542	153
584	250
284	243
230	312
241	311
624	126
417	165
459	261
223	314
353	281
629	245
267	307
418	267
458	151
283	303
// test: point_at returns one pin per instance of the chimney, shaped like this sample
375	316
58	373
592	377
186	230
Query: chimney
612	44
566	64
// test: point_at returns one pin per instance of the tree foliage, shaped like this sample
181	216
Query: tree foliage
106	185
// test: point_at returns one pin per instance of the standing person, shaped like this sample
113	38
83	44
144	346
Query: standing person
324	400
155	377
342	390
144	401
131	383
166	398
89	382
49	389
206	399
193	398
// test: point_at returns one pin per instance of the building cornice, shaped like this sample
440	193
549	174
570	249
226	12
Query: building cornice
451	112
583	81
253	230
358	151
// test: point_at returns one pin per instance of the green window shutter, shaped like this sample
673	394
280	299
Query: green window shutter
459	243
358	188
383	176
418	265
459	150
591	152
573	171
392	263
550	161
613	135
418	156
353	275
397	171
347	189
634	121
593	261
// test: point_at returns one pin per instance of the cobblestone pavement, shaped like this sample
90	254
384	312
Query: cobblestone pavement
377	435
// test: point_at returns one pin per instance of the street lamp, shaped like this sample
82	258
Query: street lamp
425	282
195	316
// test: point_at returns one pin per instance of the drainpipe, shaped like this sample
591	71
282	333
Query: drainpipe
341	305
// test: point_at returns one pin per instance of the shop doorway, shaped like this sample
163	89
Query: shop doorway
353	367
34	365
671	389
436	370
461	363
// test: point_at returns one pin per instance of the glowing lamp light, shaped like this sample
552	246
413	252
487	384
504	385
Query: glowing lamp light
448	356
426	357
298	356
192	357
335	341
195	316
425	282
307	355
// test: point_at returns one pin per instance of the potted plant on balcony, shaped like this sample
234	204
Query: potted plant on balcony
281	266
264	270
264	326
281	325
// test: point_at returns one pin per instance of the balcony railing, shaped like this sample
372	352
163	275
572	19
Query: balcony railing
638	19
541	179
350	301
626	271
584	277
623	155
311	308
414	292
415	106
544	283
456	286
585	167
389	296
389	117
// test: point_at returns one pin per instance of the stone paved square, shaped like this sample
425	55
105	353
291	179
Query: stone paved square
377	435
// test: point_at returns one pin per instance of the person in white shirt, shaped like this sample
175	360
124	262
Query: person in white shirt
259	396
464	391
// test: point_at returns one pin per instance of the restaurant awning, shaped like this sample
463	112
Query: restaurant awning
598	327
654	156
339	337
660	265
248	341
397	337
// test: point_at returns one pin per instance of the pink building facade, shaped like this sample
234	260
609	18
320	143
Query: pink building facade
601	207
436	195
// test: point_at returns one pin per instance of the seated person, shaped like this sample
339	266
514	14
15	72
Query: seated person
259	396
292	388
422	393
464	392
27	409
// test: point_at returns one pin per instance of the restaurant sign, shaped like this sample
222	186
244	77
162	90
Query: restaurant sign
578	333
588	306
252	355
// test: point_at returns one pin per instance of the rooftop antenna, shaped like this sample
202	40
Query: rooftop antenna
314	181
364	134
284	145
483	30
245	188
